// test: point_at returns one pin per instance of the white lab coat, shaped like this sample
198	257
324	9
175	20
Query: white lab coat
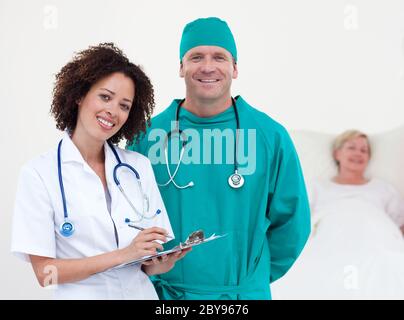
39	213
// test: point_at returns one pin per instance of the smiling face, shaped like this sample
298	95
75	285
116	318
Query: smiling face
105	108
353	155
208	72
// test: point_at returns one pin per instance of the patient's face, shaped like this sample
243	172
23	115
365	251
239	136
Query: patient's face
354	155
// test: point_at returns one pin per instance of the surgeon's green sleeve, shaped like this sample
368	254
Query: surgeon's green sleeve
288	210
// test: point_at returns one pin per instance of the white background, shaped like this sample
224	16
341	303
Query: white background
322	65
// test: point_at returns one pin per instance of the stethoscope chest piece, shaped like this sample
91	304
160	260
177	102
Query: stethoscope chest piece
236	180
67	228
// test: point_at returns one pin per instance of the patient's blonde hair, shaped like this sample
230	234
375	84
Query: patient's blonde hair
346	136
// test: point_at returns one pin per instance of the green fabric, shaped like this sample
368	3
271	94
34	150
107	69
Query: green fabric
207	32
267	221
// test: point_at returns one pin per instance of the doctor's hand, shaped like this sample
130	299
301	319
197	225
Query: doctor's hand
144	244
164	263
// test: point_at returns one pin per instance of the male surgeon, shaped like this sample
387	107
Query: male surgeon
225	168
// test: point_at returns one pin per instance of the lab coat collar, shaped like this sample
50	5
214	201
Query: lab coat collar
70	153
110	163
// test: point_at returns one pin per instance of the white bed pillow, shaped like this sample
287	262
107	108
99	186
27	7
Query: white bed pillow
387	161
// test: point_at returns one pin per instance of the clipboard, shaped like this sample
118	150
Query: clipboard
194	239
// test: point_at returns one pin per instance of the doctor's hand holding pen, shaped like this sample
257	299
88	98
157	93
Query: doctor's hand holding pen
163	263
72	270
145	244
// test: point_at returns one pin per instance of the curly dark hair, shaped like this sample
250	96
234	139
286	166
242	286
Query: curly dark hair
87	67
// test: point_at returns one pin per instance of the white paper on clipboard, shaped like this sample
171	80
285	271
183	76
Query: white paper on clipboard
179	247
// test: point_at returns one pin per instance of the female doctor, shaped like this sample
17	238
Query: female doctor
73	202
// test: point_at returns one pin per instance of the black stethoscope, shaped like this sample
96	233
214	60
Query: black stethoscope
235	180
67	227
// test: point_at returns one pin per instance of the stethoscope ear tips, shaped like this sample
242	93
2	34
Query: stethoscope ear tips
191	184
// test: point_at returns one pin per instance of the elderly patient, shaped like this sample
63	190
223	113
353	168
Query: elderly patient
356	250
351	152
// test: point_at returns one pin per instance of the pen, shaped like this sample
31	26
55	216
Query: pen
130	224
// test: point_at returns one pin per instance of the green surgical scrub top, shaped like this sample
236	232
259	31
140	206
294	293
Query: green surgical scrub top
266	222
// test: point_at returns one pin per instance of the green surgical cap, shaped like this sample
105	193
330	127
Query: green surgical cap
207	32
